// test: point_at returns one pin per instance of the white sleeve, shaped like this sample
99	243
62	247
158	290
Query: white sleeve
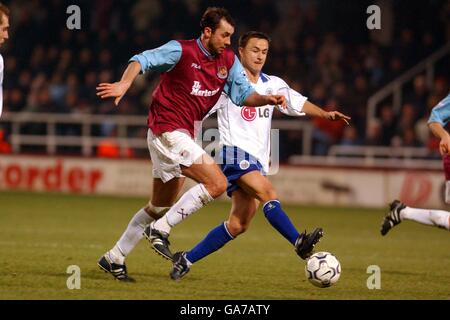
295	100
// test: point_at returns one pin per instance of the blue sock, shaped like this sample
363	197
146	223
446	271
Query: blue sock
280	221
215	240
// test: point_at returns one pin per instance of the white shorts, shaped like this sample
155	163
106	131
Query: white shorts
171	150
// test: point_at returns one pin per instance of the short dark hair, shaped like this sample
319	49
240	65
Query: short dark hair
3	11
212	16
243	39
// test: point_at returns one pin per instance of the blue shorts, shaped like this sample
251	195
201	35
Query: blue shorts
235	163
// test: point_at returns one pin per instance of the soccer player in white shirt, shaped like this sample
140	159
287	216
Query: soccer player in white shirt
245	136
4	26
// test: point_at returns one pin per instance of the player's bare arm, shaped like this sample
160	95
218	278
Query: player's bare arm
439	131
312	110
257	100
118	89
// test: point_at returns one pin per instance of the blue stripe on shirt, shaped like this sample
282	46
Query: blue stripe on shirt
264	77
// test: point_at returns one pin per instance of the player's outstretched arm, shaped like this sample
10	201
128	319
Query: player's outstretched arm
439	131
118	89
315	111
257	100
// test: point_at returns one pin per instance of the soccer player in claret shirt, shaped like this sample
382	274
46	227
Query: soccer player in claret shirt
193	75
440	116
245	153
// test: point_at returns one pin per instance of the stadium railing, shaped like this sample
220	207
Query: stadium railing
345	156
372	157
395	87
87	141
51	139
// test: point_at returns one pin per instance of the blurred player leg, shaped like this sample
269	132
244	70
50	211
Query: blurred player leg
438	218
399	212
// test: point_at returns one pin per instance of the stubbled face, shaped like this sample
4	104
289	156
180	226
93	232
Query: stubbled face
4	29
254	54
217	41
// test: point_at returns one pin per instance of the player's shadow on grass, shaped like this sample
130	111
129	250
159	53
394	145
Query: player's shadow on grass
164	276
384	271
139	276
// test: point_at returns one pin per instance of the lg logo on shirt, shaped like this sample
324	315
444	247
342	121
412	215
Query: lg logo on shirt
250	113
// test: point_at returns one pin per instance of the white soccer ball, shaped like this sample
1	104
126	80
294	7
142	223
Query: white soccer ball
323	269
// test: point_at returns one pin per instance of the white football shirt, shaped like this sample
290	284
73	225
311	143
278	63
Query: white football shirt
248	128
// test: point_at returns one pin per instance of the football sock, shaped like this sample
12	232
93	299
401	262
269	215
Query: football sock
437	218
115	255
192	200
213	241
280	221
132	235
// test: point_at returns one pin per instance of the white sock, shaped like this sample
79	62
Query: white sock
194	199
115	255
437	218
440	218
130	238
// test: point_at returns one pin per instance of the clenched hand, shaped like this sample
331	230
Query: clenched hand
279	100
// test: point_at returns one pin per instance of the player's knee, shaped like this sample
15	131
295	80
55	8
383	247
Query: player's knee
267	195
217	186
236	228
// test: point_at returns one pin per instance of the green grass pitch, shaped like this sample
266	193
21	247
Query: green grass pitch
42	234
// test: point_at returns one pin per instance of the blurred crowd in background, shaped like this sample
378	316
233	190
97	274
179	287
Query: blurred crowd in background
322	48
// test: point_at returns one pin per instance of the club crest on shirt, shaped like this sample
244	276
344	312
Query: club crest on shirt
269	91
222	72
244	164
184	154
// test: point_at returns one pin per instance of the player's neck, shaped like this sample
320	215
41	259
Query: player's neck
252	76
205	44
